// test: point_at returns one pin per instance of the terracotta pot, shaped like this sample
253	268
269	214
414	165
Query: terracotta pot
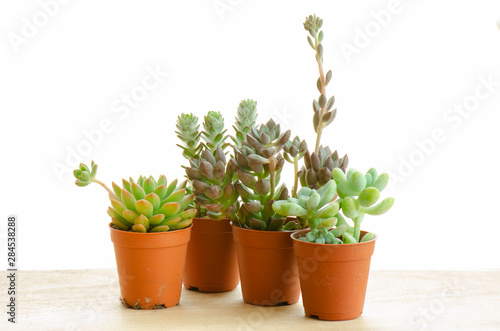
268	269
333	278
211	263
150	266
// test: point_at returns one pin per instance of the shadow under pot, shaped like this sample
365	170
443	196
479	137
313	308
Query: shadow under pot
268	269
150	266
211	263
333	278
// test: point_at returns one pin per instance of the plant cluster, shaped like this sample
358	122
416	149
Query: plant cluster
145	205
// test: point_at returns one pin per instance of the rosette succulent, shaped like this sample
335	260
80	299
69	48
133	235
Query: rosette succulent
214	132
318	167
188	131
213	185
245	119
145	205
258	164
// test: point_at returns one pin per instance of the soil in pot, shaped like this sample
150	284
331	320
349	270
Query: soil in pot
211	263
268	269
150	267
333	278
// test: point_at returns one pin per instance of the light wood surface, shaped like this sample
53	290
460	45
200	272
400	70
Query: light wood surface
396	300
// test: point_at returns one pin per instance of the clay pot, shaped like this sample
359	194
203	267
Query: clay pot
268	269
150	266
211	263
333	278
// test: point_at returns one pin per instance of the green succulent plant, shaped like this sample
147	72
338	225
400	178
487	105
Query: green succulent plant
258	164
314	208
323	113
318	167
188	131
214	132
293	151
245	119
358	196
145	205
213	184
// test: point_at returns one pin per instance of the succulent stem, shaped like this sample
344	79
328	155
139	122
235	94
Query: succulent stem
296	177
272	174
107	189
319	59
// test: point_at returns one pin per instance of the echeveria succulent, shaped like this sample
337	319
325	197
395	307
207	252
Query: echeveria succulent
146	205
318	167
189	134
213	184
258	164
245	119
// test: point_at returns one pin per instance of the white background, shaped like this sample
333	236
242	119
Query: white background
399	86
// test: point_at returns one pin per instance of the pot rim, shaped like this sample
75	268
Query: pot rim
147	233
299	232
264	231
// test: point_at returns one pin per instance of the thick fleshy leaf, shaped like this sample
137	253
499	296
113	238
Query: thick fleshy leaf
171	222
343	187
117	190
367	237
161	191
175	197
137	191
139	228
126	184
187	214
368	196
171	187
130	215
118	206
380	208
119	225
356	179
350	208
186	201
184	223
141	219
144	207
156	219
328	210
114	214
381	182
327	192
154	199
285	208
128	199
162	180
149	185
169	209
160	228
313	201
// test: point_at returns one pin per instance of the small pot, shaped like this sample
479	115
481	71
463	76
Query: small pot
268	269
150	266
211	263
333	278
